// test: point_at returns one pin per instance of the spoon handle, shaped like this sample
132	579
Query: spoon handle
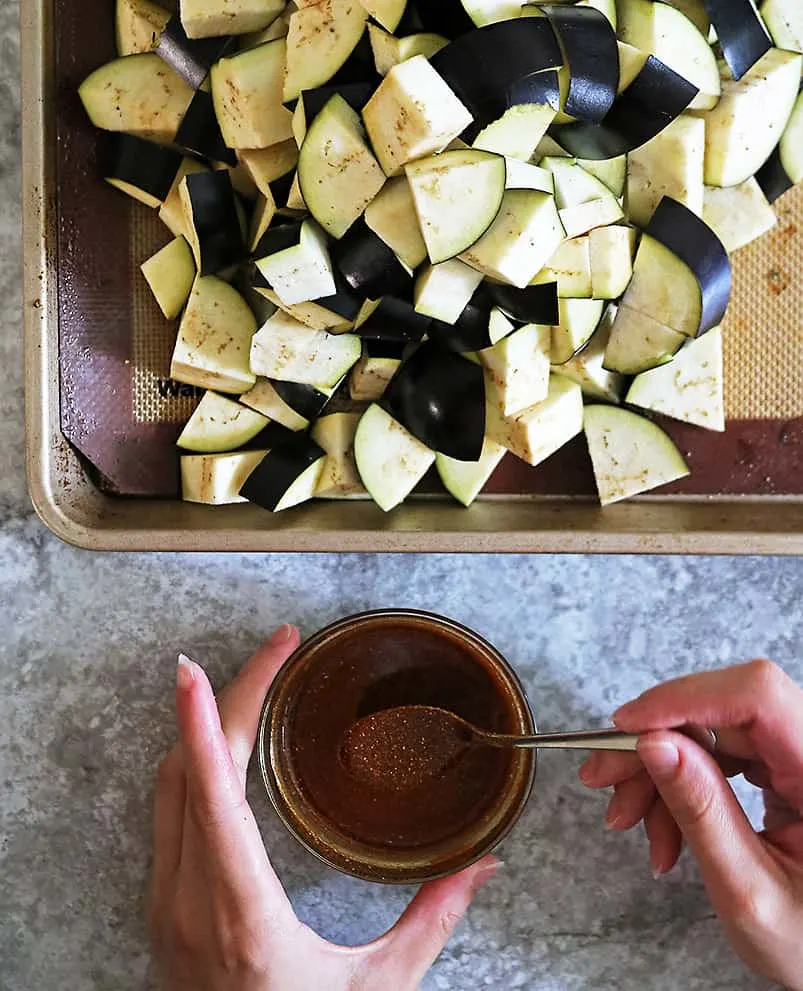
603	739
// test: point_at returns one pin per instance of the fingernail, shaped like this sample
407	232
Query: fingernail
185	672
283	635
612	822
483	875
588	771
660	759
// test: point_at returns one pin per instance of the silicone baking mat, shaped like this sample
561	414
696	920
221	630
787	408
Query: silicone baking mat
121	410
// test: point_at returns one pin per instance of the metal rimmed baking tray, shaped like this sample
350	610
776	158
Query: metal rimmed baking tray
81	311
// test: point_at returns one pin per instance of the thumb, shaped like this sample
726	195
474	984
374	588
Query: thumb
712	821
413	944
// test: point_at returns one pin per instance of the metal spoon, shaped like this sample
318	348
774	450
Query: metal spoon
411	743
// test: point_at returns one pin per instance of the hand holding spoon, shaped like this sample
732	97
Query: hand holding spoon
409	744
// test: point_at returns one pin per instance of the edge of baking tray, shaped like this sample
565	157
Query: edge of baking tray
73	509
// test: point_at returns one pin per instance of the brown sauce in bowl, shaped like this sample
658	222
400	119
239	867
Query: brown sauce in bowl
398	663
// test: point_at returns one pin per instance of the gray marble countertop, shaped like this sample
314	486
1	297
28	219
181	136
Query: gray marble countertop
86	674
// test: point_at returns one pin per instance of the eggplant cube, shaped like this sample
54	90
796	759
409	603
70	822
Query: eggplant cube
738	214
214	338
664	288
413	113
443	291
247	91
339	478
517	369
220	424
587	368
466	479
611	252
371	376
170	274
526	232
216	479
212	18
570	268
138	25
391	462
538	431
286	350
302	271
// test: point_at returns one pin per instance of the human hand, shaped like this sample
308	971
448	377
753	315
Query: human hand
219	917
681	793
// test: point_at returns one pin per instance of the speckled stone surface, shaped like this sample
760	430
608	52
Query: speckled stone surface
86	672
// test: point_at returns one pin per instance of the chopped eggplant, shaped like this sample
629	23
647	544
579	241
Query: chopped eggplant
393	321
214	338
654	98
538	431
517	369
671	37
312	101
391	214
671	164
518	131
589	46
220	424
738	214
533	304
741	33
212	221
339	478
612	172
216	479
629	453
413	113
521	239
693	242
586	368
171	212
389	50
286	350
689	388
138	24
569	268
742	130
611	251
295	262
212	18
488	68
791	147
369	265
267	165
638	342
142	169
287	476
391	462
439	396
584	217
262	220
170	273
443	184
247	91
191	58
333	313
319	41
475	328
784	18
466	479
577	321
292	409
370	377
388	13
444	290
523	175
337	172
138	94
200	131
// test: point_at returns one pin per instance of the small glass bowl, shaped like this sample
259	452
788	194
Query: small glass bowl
374	861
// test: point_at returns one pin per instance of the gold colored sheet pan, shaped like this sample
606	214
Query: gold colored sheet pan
78	512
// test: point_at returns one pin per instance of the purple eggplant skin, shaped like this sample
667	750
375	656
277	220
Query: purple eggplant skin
148	166
394	321
217	226
693	241
439	397
773	178
485	66
537	87
533	304
192	58
589	44
384	349
355	94
199	131
306	400
652	101
278	237
369	266
741	33
281	466
444	17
